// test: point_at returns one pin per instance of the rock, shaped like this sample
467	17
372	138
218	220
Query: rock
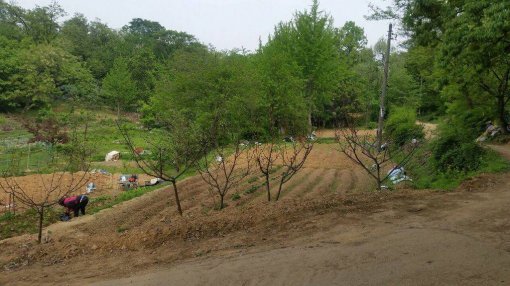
94	247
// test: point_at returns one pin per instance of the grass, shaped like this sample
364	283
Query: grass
425	176
25	222
235	197
104	202
102	132
252	189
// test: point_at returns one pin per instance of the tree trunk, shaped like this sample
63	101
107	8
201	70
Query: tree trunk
222	198
41	218
379	183
268	189
177	200
279	189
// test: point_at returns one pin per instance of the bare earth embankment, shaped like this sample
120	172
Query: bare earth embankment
324	231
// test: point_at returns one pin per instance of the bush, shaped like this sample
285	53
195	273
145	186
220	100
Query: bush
236	197
453	151
401	126
251	190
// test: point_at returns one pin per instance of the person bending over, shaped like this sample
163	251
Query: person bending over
76	204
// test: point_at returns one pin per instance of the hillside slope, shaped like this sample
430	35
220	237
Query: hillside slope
321	233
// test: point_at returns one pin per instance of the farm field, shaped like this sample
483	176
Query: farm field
323	229
352	143
106	184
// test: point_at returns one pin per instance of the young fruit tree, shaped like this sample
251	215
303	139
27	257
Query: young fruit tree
223	168
171	153
362	148
293	158
64	172
289	157
266	156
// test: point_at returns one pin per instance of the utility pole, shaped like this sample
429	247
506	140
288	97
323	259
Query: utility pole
382	110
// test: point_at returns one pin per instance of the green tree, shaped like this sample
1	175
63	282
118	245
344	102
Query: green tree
46	73
75	32
474	50
313	43
352	41
40	23
143	68
282	99
216	90
118	87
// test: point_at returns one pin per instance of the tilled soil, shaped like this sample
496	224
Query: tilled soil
325	233
37	186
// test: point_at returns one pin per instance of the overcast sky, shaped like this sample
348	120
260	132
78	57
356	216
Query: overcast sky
225	24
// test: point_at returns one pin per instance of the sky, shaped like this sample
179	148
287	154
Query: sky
225	24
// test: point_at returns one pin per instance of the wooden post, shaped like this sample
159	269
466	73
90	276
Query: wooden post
383	91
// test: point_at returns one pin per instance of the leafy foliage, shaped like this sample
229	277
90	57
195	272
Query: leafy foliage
452	151
401	126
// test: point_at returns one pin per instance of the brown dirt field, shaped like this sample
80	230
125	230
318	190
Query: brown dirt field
35	185
331	133
331	232
429	129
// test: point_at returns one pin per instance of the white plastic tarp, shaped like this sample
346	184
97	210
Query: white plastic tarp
112	156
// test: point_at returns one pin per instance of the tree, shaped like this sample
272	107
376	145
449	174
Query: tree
118	87
363	149
40	23
62	180
163	43
223	171
312	42
266	156
210	88
352	41
143	68
293	159
474	49
46	73
282	99
270	157
173	151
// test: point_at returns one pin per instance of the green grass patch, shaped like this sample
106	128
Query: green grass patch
104	202
26	222
235	197
252	189
426	176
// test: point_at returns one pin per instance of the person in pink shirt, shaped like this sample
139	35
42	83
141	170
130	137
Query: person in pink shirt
76	204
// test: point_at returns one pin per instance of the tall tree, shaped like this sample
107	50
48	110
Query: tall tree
313	43
475	48
118	87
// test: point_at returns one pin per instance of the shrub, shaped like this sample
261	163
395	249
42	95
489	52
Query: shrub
453	151
251	190
401	126
236	197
